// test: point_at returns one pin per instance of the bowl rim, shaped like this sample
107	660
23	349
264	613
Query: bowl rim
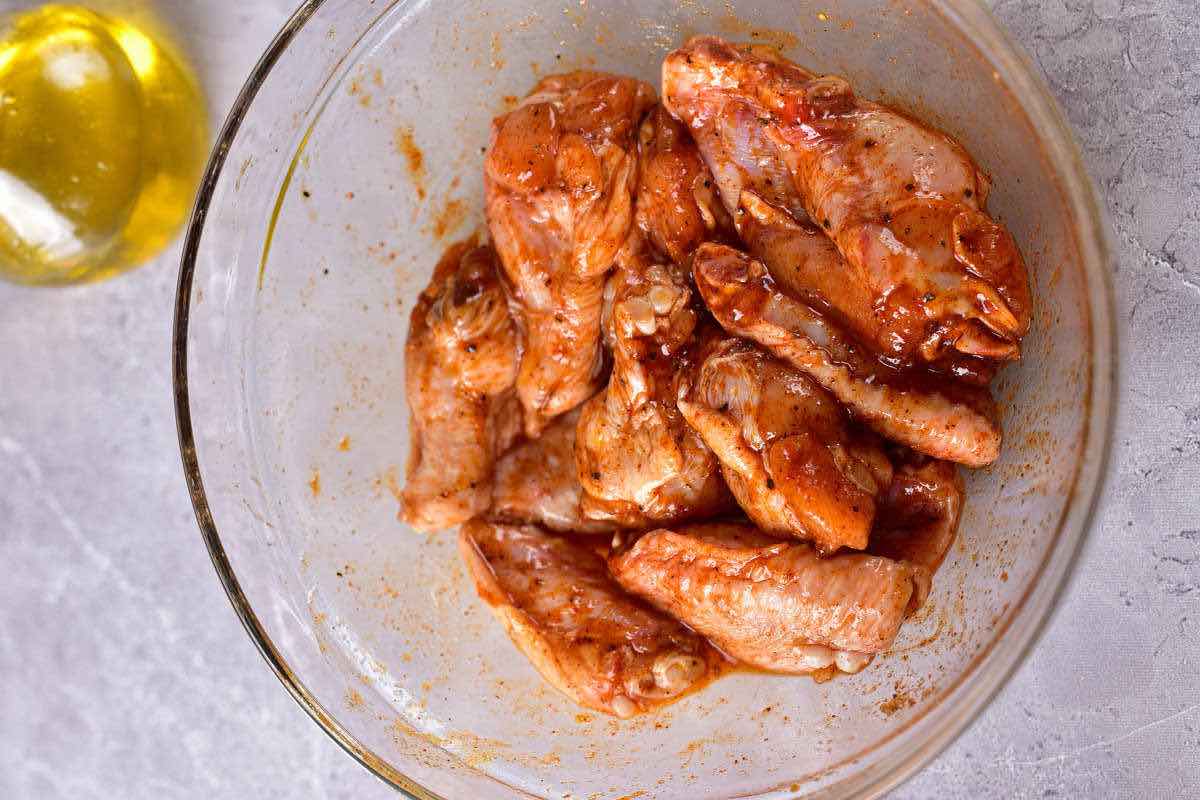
1093	234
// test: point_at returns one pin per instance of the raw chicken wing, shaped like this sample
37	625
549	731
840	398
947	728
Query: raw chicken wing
461	361
938	418
774	605
588	638
559	181
638	460
903	203
807	265
786	448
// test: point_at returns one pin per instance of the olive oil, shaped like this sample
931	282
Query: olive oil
103	134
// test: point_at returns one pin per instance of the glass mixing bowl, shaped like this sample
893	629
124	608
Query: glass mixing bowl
349	161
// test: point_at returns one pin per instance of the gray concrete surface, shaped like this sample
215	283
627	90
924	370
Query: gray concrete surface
124	673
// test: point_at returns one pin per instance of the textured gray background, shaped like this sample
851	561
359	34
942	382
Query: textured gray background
124	673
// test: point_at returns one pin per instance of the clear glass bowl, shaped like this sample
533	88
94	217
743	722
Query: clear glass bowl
350	159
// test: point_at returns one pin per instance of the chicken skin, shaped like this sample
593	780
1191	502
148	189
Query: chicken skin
460	365
589	639
678	207
536	482
904	204
774	605
918	517
559	184
786	448
637	459
939	418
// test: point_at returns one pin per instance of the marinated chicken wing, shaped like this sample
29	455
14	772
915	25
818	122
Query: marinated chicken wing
903	203
594	643
678	207
774	605
785	446
638	460
940	419
559	181
536	482
918	517
461	361
807	265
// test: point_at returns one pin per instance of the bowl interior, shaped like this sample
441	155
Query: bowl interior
356	163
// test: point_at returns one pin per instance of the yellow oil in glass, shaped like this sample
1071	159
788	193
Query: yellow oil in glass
103	135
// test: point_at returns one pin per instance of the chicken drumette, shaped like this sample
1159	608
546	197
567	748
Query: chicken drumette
786	447
460	364
638	460
559	186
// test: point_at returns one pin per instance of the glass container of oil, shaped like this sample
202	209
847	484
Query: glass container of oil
103	134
